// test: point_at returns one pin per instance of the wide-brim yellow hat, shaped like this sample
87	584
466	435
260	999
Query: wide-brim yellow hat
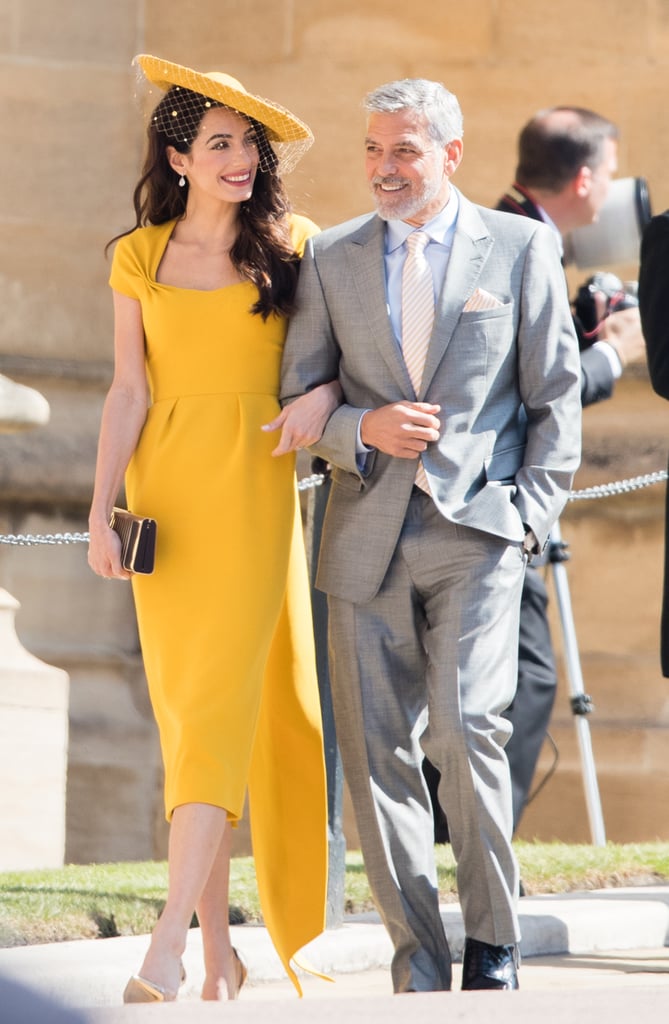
281	125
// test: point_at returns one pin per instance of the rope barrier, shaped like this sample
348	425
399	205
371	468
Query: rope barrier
316	479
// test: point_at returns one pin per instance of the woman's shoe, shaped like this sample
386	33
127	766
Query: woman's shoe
242	971
141	990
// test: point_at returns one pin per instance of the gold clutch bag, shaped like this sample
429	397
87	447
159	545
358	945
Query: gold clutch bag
138	540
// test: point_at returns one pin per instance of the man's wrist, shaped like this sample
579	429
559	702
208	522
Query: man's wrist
530	542
361	447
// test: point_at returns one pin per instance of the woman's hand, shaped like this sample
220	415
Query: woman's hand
303	421
104	552
123	416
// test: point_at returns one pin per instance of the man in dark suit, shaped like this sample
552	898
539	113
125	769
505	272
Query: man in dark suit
653	292
566	159
444	479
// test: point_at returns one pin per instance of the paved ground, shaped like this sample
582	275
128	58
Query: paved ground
587	956
616	988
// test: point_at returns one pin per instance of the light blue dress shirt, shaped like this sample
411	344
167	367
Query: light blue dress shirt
441	230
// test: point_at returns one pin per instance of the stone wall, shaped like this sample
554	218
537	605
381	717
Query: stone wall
73	141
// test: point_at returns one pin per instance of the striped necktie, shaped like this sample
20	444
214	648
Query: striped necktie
417	318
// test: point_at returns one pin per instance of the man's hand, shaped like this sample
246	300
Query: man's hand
403	429
302	422
622	330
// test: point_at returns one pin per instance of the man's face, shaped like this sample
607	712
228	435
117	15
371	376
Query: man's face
407	170
600	181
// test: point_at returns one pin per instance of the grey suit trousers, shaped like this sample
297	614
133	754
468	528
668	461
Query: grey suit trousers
427	667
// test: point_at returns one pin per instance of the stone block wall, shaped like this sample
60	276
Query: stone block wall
73	135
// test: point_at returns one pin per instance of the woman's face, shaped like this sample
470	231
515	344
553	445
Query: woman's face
223	159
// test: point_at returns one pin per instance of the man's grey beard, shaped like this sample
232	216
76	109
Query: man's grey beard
402	209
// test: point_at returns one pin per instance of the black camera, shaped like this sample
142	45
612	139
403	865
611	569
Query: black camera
617	295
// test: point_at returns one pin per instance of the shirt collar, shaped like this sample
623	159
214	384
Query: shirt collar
439	228
551	224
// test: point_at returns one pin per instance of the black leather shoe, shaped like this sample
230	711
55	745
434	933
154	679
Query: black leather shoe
486	966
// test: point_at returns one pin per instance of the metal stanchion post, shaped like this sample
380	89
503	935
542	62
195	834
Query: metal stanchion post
581	703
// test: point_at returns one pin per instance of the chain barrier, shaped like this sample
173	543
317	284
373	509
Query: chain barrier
316	479
31	539
634	483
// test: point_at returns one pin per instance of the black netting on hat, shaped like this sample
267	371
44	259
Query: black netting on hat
179	116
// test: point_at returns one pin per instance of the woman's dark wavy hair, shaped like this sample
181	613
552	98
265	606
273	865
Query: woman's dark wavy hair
262	252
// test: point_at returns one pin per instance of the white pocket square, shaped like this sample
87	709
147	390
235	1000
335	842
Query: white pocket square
481	299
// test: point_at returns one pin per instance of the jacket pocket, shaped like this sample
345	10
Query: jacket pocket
502	466
347	481
471	315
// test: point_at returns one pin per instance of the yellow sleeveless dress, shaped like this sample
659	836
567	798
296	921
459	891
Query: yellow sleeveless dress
225	619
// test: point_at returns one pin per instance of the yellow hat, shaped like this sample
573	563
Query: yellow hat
281	125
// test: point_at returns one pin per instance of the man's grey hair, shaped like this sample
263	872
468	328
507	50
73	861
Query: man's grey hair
431	99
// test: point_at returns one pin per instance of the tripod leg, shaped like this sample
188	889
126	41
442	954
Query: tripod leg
580	703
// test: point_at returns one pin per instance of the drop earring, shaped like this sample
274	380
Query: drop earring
182	181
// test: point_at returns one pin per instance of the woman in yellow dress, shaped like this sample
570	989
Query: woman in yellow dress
202	287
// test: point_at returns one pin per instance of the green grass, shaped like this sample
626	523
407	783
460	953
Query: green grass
102	900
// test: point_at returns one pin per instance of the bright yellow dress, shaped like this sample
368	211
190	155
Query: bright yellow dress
225	619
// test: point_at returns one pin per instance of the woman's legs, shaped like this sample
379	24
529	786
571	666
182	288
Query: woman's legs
221	966
198	871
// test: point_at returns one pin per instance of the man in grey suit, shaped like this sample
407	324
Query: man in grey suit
440	491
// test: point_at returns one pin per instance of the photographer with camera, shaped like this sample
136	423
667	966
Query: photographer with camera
567	157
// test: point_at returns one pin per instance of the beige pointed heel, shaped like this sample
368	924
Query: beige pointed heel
141	990
242	970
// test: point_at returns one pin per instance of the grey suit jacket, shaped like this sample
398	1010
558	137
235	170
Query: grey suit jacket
507	380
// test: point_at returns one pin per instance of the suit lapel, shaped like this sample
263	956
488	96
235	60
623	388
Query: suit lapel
366	255
472	244
471	247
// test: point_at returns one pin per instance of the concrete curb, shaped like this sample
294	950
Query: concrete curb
93	973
